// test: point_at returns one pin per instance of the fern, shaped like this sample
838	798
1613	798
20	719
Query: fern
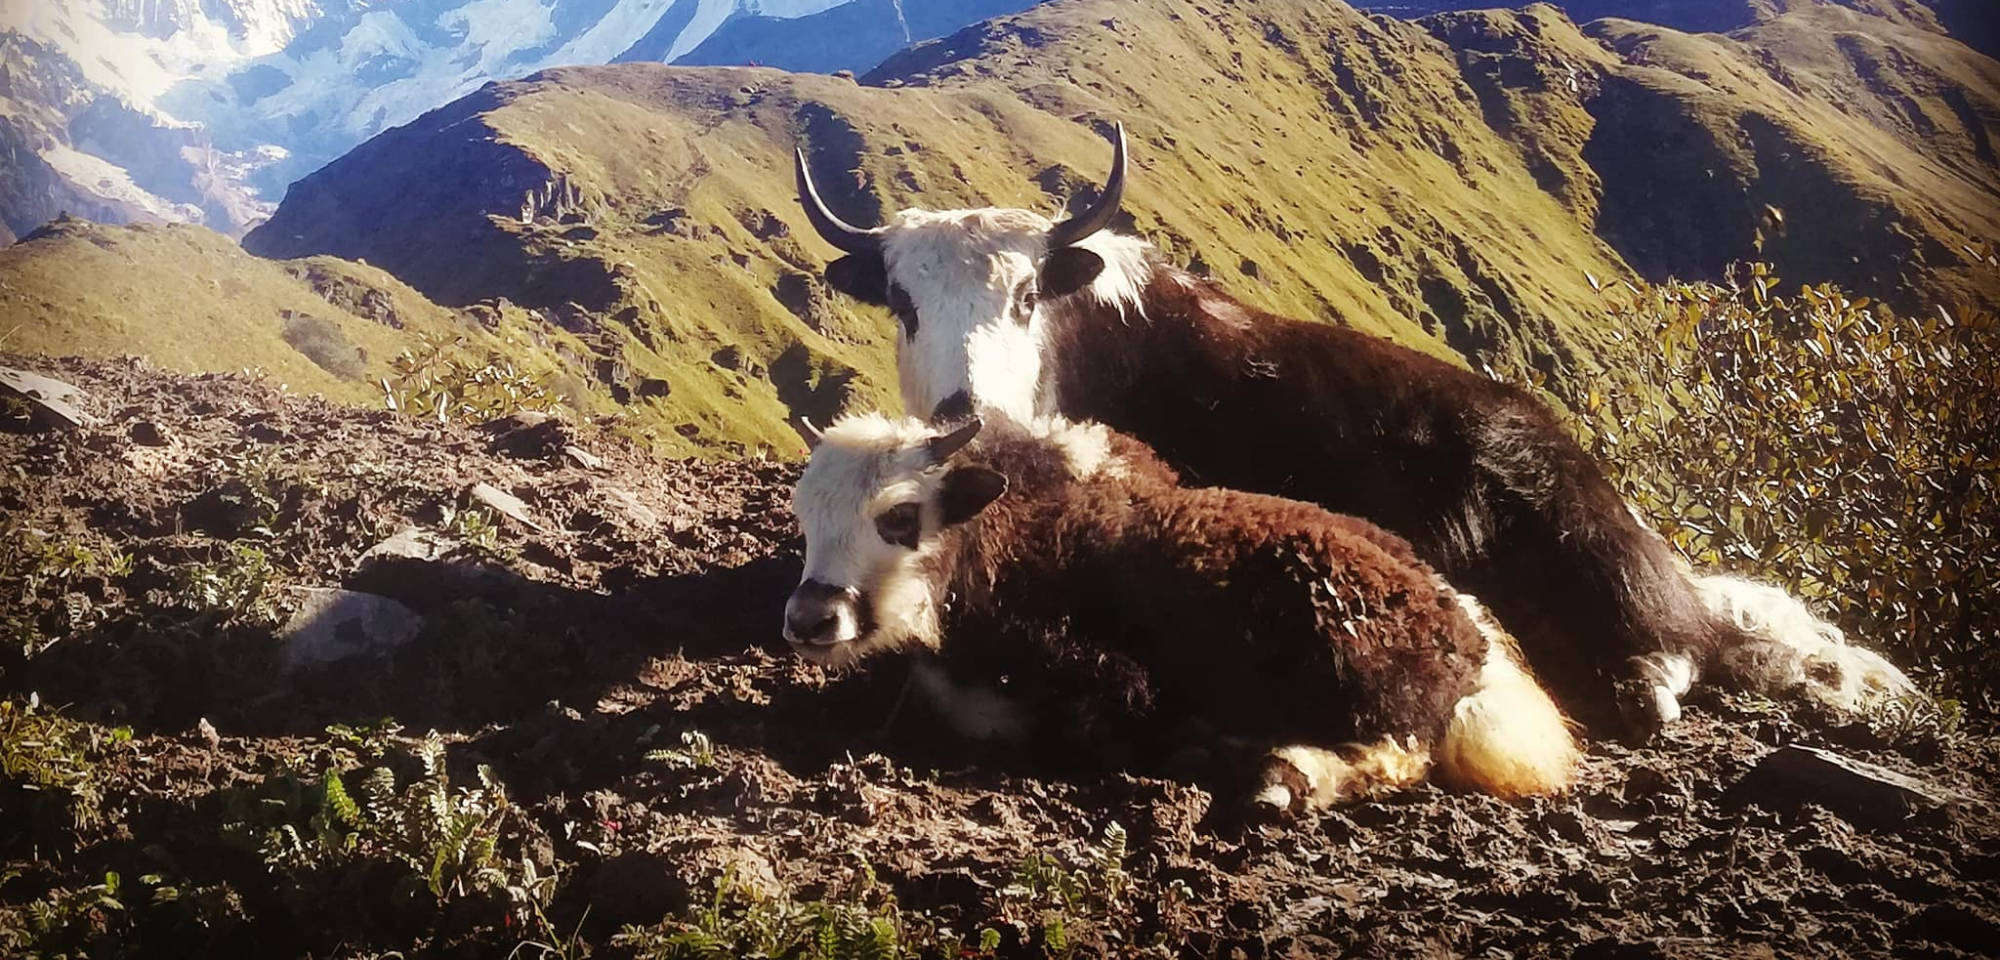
341	807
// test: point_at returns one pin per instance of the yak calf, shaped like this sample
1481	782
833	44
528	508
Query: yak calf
1317	637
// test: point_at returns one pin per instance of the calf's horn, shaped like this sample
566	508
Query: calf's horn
834	230
940	448
1099	215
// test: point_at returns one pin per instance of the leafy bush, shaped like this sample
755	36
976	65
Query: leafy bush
64	922
234	586
1822	442
441	378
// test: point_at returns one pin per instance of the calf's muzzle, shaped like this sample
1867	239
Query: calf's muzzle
821	614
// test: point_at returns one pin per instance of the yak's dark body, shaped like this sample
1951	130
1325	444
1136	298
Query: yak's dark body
1478	475
1271	619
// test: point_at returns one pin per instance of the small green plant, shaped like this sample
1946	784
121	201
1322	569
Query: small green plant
861	920
696	753
50	582
44	752
235	586
443	378
1064	905
473	526
63	923
449	841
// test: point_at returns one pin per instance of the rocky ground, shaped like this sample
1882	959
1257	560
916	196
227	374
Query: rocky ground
191	769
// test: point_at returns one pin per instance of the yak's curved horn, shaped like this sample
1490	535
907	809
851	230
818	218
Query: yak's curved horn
1100	213
807	432
834	230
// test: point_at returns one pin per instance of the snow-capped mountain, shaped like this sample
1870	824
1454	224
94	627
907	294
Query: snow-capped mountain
205	110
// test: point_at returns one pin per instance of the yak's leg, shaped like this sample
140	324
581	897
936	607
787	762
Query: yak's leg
1300	779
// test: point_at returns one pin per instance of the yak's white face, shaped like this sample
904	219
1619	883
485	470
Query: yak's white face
871	503
963	286
971	289
968	288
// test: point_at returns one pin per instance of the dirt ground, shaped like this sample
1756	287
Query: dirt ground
637	604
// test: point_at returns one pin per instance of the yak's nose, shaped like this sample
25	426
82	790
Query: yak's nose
820	613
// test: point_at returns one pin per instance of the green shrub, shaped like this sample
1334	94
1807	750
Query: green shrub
442	378
54	586
1822	442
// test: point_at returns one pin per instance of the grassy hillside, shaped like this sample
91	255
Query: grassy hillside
189	299
1459	183
1857	150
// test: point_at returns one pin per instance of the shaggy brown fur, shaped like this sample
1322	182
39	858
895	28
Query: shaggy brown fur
1271	618
1480	476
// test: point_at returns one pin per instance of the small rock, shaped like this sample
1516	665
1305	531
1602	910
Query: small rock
414	543
583	458
53	401
1863	793
641	516
148	433
505	503
332	624
654	387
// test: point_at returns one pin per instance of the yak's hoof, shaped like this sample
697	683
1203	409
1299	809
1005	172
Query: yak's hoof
1646	708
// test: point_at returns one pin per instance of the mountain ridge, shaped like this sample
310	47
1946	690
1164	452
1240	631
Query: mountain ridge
1462	183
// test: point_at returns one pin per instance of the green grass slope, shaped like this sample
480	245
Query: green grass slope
189	299
1858	149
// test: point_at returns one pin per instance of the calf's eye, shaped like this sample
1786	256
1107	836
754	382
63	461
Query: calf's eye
900	524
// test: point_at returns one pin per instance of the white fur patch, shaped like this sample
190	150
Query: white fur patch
1086	445
961	270
1671	676
1128	266
1332	777
1795	650
1507	737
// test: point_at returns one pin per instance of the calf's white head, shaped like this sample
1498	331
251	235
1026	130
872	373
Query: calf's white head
872	502
967	287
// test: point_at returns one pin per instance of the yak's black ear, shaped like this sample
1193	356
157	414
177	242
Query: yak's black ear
967	490
1068	270
862	276
952	409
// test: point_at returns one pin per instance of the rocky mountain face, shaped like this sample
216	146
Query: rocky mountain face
206	110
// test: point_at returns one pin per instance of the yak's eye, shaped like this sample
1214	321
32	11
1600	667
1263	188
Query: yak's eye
1025	300
904	308
900	524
